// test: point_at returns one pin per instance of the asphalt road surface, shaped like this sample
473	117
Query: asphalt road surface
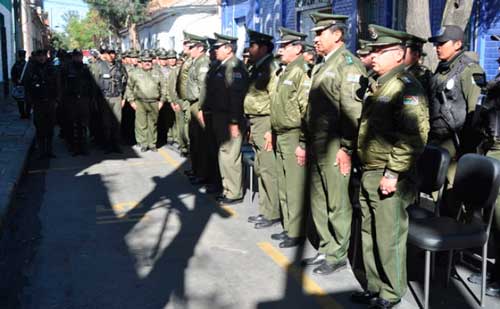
129	231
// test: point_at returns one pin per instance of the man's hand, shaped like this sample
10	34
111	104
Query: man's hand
234	130
176	107
388	185
160	105
134	106
343	161
300	154
201	119
123	103
268	141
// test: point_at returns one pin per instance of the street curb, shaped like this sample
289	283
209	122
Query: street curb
15	172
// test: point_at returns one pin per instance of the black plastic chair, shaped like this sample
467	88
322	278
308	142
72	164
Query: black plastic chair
476	187
248	157
432	167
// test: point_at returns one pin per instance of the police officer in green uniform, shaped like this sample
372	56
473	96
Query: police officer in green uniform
489	124
110	76
414	50
167	67
452	101
147	93
334	109
195	91
40	84
392	134
226	90
77	89
287	116
257	104
310	54
364	54
181	107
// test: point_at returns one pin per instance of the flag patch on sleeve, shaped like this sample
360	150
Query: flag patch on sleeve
410	100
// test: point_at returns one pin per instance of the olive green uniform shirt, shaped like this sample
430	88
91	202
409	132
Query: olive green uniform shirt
394	122
335	97
261	87
146	86
196	79
291	97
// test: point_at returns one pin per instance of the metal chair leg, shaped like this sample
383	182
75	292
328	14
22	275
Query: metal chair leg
427	278
448	271
483	279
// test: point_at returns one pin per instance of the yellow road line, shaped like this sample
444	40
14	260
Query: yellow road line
310	286
176	164
231	212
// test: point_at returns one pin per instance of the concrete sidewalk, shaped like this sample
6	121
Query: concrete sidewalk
16	138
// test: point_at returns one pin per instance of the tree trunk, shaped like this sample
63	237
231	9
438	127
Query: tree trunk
418	23
133	36
457	12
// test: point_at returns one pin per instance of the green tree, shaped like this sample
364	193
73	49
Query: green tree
87	32
59	40
121	14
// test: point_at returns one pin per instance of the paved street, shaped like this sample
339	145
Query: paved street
129	231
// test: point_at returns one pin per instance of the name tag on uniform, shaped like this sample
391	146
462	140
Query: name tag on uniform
204	70
106	76
353	78
307	83
384	99
288	82
330	74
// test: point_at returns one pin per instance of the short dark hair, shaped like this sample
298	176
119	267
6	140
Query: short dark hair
342	28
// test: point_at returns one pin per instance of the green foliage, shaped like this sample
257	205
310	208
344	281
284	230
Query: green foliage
59	40
87	32
120	14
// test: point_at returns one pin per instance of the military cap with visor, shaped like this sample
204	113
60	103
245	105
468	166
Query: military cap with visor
309	48
258	37
133	53
414	41
383	36
289	36
146	57
198	40
324	21
221	39
211	42
364	49
448	33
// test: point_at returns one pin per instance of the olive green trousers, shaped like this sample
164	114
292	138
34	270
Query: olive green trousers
265	168
229	156
146	119
292	180
384	233
330	205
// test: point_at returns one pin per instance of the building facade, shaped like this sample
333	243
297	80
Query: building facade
6	39
268	15
169	19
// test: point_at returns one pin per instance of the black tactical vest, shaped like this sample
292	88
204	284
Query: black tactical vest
110	79
77	81
448	106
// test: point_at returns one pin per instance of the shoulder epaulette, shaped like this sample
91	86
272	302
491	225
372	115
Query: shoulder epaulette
348	58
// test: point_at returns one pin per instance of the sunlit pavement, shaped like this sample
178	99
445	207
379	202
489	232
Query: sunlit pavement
129	231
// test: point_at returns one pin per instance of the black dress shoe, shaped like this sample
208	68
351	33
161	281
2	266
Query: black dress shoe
264	223
380	303
327	268
230	201
280	236
364	297
189	173
315	260
198	181
255	219
209	189
153	149
290	242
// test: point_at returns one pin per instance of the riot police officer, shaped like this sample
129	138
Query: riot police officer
41	89
110	77
77	90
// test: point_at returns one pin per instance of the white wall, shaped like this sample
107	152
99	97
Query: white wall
10	40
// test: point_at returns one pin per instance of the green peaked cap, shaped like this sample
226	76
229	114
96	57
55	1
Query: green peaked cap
414	41
382	36
258	37
167	54
197	39
323	21
222	39
289	35
364	49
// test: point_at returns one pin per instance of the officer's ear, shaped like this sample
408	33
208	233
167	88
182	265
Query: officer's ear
458	45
